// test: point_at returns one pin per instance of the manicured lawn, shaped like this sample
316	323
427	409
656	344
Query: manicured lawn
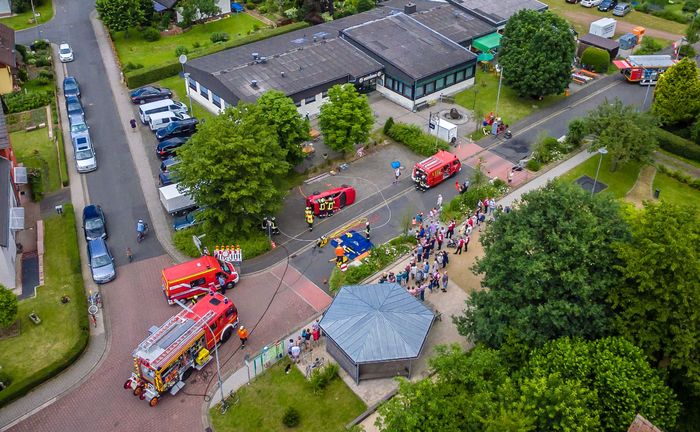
676	192
177	85
637	18
619	182
135	49
22	21
482	99
264	401
36	150
40	351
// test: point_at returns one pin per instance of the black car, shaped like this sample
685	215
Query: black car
149	94
94	224
607	5
168	147
71	87
74	107
181	128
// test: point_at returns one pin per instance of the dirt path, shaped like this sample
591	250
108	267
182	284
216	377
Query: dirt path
641	190
586	19
678	164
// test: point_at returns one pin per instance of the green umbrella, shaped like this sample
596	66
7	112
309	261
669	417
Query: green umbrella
484	57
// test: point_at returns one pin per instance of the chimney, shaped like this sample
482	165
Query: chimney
254	83
409	9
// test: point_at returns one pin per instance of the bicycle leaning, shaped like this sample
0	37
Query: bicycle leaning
319	362
231	400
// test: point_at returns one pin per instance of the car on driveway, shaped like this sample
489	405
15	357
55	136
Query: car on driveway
85	159
590	3
149	93
94	223
189	220
78	126
622	9
342	196
71	87
100	261
168	147
183	128
65	53
74	107
607	5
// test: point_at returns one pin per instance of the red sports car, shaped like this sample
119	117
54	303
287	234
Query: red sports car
342	196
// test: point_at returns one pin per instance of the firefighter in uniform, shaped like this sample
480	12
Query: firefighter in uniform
330	202
309	215
322	207
339	254
273	226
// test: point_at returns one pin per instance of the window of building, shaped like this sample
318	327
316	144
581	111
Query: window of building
216	100
204	91
297	103
449	80
398	87
407	91
309	100
470	72
460	76
419	91
193	84
440	84
389	83
430	88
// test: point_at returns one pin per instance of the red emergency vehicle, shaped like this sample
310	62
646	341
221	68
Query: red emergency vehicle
433	170
197	277
644	69
342	196
167	357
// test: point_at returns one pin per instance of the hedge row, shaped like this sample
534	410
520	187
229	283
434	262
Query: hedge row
680	176
414	138
677	145
139	77
21	101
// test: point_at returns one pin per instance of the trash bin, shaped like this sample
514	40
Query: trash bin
657	192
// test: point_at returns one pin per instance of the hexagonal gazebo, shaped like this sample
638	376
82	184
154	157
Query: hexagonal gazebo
376	331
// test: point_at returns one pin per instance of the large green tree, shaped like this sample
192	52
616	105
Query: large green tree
291	129
547	267
626	133
121	15
346	118
8	307
536	53
232	167
616	372
658	303
191	10
677	93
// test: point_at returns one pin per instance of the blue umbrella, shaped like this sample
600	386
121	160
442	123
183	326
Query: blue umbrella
395	164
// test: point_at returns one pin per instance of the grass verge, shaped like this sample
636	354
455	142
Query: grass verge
481	100
263	403
42	351
22	21
135	49
36	150
676	192
619	182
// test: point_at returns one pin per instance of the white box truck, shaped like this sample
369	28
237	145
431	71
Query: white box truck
175	200
443	129
604	27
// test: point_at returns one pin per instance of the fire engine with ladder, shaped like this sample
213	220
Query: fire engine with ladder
167	357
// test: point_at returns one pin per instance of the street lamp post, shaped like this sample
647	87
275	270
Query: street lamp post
183	59
646	95
216	350
498	95
602	151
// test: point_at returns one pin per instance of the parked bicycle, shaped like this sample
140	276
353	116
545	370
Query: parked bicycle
318	363
231	400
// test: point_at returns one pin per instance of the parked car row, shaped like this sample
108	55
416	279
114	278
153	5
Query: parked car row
618	9
83	149
173	127
100	259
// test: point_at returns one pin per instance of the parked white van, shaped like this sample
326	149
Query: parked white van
161	120
160	106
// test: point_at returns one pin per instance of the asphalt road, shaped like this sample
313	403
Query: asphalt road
114	185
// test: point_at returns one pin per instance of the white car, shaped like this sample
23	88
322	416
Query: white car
590	3
65	53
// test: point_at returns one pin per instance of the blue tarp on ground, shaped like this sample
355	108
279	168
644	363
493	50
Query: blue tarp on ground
236	7
355	244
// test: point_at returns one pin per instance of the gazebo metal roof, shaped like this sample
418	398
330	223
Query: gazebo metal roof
378	322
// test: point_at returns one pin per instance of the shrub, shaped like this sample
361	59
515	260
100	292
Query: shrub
8	307
22	75
677	145
42	80
381	257
415	139
250	5
256	27
131	66
547	150
695	131
46	73
649	46
687	51
671	15
35	181
533	165
291	417
691	6
320	378
21	101
150	34
255	244
5	378
180	50
196	45
262	9
575	134
219	37
165	19
388	124
39	45
680	176
43	61
595	58
461	204
22	50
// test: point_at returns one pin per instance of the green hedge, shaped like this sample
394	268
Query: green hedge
680	176
596	58
465	203
677	145
140	77
21	101
414	138
256	244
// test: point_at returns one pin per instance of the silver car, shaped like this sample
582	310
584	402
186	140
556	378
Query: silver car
101	261
85	160
78	126
65	53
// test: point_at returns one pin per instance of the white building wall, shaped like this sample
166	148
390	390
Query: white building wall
409	104
224	6
312	108
206	102
8	255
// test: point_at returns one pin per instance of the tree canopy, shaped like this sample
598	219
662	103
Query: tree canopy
231	167
346	118
536	53
657	304
280	113
121	15
677	93
192	10
626	133
548	268
8	307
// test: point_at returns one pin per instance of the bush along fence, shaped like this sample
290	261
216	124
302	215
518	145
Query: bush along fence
680	176
414	138
678	145
142	76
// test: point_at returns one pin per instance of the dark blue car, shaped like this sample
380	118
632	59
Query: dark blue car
94	223
71	87
74	107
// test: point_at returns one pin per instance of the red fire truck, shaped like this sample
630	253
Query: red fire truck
197	277
433	170
644	69
167	357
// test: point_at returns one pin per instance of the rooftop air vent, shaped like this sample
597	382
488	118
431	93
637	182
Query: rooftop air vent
409	9
254	83
255	56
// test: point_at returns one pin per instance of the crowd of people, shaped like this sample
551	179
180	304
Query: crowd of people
306	341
